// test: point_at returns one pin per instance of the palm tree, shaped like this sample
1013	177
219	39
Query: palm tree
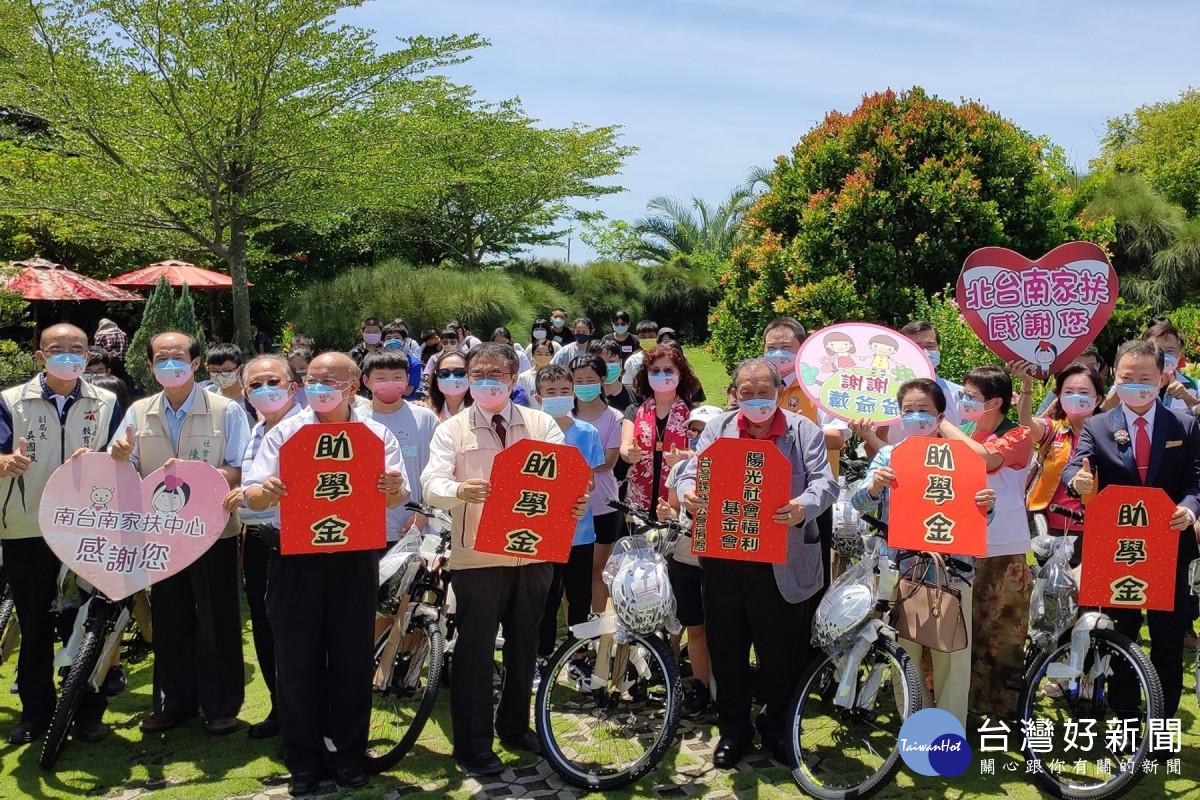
1157	250
673	228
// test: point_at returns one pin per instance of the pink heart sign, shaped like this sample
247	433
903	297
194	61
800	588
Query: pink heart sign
1044	312
121	533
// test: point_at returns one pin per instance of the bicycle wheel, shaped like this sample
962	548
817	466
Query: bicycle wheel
1119	683
82	667
8	616
850	752
600	734
400	709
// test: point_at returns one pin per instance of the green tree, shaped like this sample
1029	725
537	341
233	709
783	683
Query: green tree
185	319
878	206
210	120
488	181
1158	142
158	316
604	287
679	293
672	228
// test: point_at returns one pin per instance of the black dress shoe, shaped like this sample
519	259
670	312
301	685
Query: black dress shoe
781	751
267	729
729	752
90	732
25	732
350	776
527	742
303	783
486	763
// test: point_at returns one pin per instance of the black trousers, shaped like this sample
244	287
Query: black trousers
32	570
575	579
322	611
255	555
743	607
197	617
1166	636
485	598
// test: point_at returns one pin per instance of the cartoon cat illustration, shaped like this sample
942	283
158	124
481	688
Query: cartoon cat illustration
101	497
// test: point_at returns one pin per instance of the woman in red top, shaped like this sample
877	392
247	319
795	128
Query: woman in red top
658	425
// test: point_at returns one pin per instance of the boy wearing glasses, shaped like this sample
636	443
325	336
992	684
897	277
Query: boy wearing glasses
42	423
224	362
490	590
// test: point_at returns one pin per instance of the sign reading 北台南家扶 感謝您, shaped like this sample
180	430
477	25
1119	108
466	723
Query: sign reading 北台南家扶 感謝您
853	369
528	513
1129	550
122	533
744	482
333	503
1044	312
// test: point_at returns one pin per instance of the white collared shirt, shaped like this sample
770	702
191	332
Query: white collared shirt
1131	417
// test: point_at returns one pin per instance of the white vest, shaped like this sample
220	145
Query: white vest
49	442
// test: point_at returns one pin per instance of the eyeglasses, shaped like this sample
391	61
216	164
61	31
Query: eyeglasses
309	380
493	375
454	372
223	371
660	371
57	351
268	382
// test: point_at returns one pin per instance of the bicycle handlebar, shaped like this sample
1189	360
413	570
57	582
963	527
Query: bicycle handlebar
957	565
1055	508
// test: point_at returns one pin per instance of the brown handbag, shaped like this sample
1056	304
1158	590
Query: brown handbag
930	613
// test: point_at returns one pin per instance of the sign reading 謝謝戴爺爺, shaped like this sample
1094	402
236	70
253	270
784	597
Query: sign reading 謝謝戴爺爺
333	504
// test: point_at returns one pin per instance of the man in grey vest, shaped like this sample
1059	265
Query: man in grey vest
42	423
197	613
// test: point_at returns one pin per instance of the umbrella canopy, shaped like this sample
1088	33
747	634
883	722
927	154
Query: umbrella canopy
177	273
40	279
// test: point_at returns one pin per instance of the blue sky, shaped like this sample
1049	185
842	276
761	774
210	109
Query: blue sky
708	88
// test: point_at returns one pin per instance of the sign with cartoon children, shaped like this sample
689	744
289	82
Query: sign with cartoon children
333	502
1129	550
853	369
121	533
1045	312
528	513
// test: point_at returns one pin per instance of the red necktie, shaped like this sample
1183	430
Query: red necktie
498	425
1141	448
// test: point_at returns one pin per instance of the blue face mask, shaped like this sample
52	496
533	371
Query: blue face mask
66	366
918	423
1136	394
621	329
612	372
587	392
1170	364
781	358
558	407
452	386
582	338
393	344
971	410
692	442
935	357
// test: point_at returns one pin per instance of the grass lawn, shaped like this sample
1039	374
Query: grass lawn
711	373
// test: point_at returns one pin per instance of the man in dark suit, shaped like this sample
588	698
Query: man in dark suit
1141	442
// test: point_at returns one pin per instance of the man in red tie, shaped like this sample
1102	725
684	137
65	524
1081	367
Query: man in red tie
1141	442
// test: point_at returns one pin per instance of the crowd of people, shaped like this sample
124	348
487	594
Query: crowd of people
444	403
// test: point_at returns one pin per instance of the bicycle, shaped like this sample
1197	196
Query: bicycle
845	718
1074	681
609	703
93	654
10	631
410	651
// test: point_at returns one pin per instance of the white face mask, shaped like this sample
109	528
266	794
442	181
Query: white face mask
223	380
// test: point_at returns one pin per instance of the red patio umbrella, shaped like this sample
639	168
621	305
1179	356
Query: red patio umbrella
177	273
40	279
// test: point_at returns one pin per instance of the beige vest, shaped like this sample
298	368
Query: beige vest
49	443
202	437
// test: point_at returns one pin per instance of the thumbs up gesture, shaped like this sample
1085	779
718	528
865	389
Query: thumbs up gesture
1084	480
16	464
122	448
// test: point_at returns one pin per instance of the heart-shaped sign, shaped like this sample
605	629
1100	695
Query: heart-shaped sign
121	533
1045	312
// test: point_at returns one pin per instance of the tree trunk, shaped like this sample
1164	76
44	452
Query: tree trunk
236	259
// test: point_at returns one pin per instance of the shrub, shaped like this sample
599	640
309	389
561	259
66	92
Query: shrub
604	287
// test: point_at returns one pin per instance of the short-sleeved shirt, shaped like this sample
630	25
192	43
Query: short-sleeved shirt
413	427
584	437
608	426
683	545
1015	444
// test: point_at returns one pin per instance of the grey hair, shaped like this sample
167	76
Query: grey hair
755	364
287	368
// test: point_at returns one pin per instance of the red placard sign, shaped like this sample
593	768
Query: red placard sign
535	486
333	504
1129	550
745	481
933	502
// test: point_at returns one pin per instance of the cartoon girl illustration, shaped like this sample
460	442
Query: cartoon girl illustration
171	495
882	347
1044	356
839	349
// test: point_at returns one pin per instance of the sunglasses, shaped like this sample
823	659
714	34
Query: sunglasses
272	382
456	372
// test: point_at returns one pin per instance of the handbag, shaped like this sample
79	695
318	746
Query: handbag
930	613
